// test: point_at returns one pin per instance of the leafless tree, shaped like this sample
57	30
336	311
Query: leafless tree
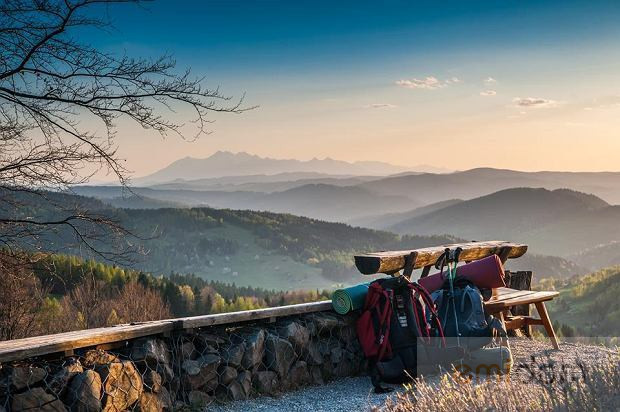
137	303
21	298
60	102
89	302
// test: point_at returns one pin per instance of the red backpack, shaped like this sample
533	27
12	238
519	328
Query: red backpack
397	315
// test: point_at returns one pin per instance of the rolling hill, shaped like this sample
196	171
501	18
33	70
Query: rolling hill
263	183
589	305
258	249
320	201
385	220
603	255
483	181
559	222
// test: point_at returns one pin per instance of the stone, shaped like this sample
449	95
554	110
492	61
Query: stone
188	351
199	372
25	376
150	351
328	370
98	357
279	355
60	380
345	368
152	381
155	402
326	323
266	382
166	373
232	392
211	385
233	355
245	380
254	349
227	374
199	399
84	392
299	374
335	354
316	375
211	340
314	356
297	334
309	324
348	334
122	385
36	399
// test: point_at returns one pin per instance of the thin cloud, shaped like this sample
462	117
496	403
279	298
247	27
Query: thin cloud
428	83
380	106
488	93
490	80
534	102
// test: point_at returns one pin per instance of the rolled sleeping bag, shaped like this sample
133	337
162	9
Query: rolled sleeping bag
487	273
348	299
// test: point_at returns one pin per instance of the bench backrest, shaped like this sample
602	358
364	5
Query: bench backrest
390	262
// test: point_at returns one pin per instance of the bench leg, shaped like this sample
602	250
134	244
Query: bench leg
544	317
503	339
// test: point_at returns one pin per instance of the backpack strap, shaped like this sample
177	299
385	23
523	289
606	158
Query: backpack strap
382	317
426	298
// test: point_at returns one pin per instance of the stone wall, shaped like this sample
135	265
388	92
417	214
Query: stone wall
192	368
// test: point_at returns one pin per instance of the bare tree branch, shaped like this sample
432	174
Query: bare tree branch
54	89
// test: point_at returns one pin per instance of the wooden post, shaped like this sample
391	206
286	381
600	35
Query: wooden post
521	280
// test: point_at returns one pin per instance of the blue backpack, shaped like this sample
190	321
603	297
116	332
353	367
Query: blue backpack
462	315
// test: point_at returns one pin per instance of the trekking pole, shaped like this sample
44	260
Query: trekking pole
452	261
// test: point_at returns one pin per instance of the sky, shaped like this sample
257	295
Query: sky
525	85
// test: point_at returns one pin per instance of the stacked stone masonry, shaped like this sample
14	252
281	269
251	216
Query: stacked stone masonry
189	369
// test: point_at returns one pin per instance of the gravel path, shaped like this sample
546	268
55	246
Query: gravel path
355	394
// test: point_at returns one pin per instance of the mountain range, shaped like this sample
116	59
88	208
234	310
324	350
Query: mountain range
222	164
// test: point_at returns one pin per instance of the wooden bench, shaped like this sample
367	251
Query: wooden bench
502	299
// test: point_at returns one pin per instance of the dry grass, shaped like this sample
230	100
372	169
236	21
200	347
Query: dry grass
591	388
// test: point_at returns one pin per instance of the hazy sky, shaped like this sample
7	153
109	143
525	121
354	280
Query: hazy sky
527	85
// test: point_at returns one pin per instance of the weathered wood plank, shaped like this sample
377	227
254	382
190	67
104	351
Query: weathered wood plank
532	297
61	342
249	315
392	261
43	345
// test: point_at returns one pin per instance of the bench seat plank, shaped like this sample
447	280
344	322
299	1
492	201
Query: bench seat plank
506	301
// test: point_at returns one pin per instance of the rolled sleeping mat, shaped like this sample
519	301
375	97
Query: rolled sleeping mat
487	273
348	299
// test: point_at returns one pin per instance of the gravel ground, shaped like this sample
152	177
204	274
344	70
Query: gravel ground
355	394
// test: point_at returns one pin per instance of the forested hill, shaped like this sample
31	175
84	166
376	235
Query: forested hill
588	305
259	249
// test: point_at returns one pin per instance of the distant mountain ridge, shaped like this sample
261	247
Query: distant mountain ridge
477	182
224	163
559	222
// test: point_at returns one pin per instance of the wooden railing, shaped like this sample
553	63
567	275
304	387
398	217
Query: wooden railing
65	343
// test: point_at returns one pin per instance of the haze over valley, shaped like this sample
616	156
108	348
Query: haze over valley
569	220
